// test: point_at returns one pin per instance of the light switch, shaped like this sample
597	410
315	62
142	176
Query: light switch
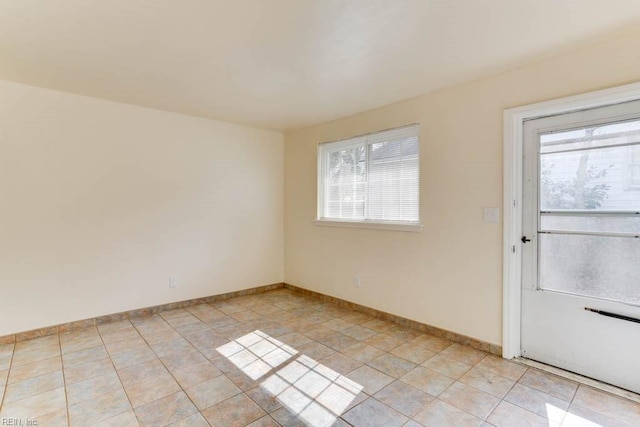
491	215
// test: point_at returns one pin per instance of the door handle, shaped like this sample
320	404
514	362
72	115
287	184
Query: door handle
525	240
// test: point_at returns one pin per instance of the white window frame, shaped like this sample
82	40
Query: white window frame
631	186
356	223
514	119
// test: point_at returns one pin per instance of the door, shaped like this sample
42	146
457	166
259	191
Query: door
581	243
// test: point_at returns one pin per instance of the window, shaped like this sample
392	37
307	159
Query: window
371	179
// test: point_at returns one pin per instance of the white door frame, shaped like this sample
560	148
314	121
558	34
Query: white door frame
512	158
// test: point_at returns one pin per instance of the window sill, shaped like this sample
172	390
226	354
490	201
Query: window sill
391	226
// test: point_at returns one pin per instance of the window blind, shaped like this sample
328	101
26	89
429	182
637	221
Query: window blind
373	177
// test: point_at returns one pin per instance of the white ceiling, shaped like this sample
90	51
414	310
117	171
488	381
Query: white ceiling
286	64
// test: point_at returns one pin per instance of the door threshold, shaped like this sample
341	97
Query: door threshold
608	388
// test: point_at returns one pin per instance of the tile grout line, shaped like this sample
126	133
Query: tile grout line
264	317
339	417
118	375
40	375
456	380
6	385
268	414
573	397
473	366
409	417
273	369
582	380
241	322
303	392
168	370
109	356
515	381
336	351
64	379
505	395
500	399
242	391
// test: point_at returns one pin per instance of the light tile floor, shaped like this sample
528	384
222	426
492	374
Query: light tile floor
281	358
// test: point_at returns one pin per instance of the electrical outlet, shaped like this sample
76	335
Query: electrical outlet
172	282
356	281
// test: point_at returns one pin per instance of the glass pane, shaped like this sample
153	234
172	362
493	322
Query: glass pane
394	180
598	179
596	136
600	223
345	183
595	266
347	165
394	150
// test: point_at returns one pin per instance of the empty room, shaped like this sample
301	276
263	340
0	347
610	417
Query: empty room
320	213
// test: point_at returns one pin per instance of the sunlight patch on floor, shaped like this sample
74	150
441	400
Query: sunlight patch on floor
256	353
316	394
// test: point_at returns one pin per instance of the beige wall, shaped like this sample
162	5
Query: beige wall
101	202
450	275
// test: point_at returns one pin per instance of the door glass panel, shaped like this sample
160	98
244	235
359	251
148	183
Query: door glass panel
594	266
600	179
594	136
590	224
